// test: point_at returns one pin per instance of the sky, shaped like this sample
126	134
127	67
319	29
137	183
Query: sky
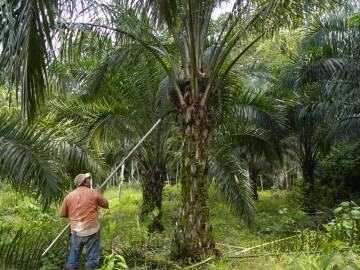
225	7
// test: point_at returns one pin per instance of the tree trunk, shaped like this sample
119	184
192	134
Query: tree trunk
308	174
193	234
177	173
153	185
253	175
308	168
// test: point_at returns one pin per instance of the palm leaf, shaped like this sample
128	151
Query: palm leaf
37	160
26	161
348	127
22	248
229	178
26	37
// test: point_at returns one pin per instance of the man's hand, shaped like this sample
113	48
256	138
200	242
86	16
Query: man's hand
100	189
103	202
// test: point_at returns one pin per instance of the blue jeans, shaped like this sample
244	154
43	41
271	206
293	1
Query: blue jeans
92	245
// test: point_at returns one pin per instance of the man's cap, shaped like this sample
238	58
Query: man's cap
80	178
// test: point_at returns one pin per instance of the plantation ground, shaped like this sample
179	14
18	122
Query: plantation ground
275	214
121	230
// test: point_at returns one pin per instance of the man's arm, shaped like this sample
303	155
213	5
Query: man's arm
63	211
102	201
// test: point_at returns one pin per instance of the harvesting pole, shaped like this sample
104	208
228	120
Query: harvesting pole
107	179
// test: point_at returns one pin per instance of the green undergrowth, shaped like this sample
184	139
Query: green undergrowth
123	234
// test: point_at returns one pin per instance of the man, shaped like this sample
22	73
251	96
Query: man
80	207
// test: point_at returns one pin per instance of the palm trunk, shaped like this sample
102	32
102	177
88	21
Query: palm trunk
153	185
308	168
193	233
308	174
253	175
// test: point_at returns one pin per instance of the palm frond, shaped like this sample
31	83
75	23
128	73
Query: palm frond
346	128
229	178
259	110
22	251
160	11
334	29
316	69
38	160
98	120
26	37
22	248
26	161
251	140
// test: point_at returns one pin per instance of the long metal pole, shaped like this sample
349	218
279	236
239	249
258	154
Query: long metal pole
108	178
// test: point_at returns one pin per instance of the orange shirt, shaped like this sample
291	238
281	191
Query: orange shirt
80	206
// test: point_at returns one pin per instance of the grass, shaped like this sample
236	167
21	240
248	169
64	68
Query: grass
121	227
121	230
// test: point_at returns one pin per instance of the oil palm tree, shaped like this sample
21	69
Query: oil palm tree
338	33
325	101
307	120
196	65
